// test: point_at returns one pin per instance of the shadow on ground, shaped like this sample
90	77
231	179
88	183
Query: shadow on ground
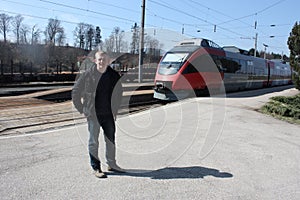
175	173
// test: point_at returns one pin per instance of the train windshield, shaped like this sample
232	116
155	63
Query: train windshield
171	63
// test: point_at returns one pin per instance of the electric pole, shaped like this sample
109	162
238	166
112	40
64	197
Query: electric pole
265	45
141	50
255	44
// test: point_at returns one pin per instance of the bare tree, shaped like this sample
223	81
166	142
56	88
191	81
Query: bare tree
79	35
115	42
84	35
16	23
118	36
24	31
151	42
35	34
152	45
53	28
122	45
4	25
109	44
61	37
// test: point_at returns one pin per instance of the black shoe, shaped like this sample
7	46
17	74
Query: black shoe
99	174
115	169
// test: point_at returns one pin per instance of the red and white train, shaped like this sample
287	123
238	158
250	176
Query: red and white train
198	65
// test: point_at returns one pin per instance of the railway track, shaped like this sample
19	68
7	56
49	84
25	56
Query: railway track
28	113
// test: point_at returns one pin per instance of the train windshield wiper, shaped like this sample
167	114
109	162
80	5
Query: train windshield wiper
169	66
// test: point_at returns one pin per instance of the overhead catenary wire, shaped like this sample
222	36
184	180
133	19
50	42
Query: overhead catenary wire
87	10
196	17
56	10
151	12
126	20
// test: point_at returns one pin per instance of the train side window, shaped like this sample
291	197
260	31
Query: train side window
225	63
204	43
230	65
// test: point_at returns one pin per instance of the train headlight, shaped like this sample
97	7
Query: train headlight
159	85
163	85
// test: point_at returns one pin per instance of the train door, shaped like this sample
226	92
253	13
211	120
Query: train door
268	82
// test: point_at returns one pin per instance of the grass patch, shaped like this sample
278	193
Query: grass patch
284	108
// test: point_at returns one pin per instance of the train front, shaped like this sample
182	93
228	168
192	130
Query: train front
169	83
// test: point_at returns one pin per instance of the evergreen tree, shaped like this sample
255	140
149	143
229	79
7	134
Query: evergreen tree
294	46
98	36
90	36
134	46
251	52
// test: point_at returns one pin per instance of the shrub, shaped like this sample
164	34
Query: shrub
284	106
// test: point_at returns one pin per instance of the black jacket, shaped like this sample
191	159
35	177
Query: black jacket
84	91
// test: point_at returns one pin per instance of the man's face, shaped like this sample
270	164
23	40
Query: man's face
101	60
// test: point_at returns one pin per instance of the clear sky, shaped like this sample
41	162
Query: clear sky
227	23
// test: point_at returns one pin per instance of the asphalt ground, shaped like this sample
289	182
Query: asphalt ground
198	148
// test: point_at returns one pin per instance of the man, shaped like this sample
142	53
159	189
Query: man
101	91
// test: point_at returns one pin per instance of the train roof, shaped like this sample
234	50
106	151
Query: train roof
184	48
200	42
235	49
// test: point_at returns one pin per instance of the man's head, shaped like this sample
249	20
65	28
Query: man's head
102	60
